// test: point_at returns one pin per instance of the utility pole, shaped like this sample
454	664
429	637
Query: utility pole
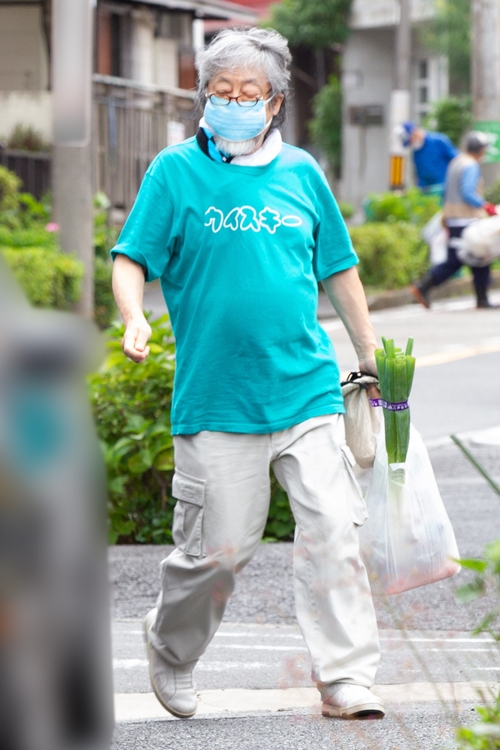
400	107
71	80
486	79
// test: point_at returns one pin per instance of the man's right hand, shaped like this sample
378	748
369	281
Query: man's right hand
134	342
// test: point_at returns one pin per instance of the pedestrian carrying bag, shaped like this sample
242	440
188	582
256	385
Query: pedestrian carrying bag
362	421
480	242
408	540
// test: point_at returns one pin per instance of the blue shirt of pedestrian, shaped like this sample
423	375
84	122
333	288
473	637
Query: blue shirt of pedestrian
468	185
431	161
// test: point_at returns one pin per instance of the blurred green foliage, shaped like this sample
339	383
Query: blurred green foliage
451	116
131	404
391	254
492	194
30	245
314	23
412	206
346	209
48	277
325	127
449	33
484	734
27	138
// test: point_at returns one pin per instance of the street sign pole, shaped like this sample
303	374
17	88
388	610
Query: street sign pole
71	79
486	80
400	107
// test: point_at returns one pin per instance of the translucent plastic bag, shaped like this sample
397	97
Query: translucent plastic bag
480	242
408	540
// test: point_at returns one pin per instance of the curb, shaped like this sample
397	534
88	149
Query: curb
401	297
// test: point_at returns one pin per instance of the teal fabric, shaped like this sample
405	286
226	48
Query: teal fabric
239	252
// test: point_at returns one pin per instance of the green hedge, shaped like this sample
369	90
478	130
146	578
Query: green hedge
131	405
391	255
412	206
31	248
49	278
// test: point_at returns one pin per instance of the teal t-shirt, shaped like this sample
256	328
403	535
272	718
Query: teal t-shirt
239	252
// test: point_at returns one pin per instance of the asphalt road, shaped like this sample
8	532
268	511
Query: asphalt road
254	678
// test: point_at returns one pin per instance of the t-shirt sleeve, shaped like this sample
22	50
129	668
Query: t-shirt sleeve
333	251
147	236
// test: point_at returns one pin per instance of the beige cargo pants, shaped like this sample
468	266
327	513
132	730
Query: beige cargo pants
221	484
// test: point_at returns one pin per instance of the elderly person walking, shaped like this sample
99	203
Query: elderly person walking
240	227
463	205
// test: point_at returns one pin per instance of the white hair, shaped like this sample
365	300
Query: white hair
262	50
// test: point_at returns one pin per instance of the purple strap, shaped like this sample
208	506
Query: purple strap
402	406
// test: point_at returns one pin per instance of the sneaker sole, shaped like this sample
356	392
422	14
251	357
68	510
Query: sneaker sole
361	711
419	296
157	693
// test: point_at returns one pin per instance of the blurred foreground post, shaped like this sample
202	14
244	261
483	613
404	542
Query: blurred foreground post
400	108
55	661
486	79
72	43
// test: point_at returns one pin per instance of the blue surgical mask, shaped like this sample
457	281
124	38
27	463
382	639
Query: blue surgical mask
235	123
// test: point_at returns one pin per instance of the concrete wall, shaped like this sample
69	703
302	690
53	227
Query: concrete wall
370	14
24	71
23	53
28	108
367	80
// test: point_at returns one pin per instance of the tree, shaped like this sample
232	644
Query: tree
449	33
451	116
314	23
325	127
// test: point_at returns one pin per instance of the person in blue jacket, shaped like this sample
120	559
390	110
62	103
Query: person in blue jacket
432	153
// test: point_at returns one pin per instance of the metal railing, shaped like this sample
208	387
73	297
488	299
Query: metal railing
131	125
34	169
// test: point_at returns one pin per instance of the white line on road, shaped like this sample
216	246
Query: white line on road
206	666
144	706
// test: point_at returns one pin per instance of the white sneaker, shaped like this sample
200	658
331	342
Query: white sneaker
173	686
353	702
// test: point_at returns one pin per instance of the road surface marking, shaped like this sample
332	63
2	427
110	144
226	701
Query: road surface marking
144	706
443	358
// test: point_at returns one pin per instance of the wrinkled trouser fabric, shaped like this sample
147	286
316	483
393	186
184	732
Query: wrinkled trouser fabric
222	488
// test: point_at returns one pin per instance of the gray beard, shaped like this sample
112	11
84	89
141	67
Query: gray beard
237	148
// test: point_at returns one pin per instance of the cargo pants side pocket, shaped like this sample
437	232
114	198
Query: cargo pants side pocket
187	527
355	499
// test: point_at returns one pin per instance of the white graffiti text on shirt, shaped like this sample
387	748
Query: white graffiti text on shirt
246	218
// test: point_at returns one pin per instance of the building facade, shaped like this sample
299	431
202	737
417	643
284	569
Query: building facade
368	77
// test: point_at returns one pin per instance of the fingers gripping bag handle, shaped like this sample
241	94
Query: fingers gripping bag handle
408	540
361	420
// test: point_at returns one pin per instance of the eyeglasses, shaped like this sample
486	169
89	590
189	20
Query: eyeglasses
222	100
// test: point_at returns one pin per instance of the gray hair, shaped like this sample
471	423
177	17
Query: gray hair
263	50
476	141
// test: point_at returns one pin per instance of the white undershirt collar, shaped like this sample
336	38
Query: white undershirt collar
264	155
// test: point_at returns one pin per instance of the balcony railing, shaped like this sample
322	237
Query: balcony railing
132	123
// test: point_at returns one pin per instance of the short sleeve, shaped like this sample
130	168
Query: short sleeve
333	251
147	236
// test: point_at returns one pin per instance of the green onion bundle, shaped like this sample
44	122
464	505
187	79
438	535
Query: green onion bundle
395	374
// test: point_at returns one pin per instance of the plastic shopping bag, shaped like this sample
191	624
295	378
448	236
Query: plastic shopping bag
480	242
408	540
